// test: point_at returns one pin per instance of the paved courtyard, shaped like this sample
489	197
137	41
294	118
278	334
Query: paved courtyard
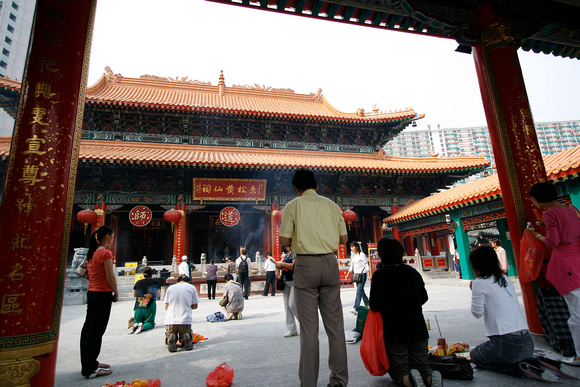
255	347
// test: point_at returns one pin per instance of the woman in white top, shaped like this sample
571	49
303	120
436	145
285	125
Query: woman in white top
494	298
359	264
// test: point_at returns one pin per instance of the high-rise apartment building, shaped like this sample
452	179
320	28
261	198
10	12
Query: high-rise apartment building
15	26
553	137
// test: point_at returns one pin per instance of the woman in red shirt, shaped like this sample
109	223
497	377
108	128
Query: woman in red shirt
102	293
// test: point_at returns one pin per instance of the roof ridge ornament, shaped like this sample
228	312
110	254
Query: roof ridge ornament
380	154
222	84
316	96
110	76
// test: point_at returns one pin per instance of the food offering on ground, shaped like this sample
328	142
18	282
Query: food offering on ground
136	383
443	349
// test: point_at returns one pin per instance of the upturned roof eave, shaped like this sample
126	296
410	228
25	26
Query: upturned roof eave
252	113
491	195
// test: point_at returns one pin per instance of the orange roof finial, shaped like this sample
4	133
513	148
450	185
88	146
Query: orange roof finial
222	84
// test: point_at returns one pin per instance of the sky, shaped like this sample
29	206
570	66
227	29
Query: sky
355	66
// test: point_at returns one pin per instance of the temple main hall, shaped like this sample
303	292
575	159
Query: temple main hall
183	167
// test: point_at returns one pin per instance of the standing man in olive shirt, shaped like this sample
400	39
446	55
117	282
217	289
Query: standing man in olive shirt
313	225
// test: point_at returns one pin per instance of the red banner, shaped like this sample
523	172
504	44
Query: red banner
229	189
428	263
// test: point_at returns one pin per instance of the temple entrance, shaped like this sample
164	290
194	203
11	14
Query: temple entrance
153	241
210	236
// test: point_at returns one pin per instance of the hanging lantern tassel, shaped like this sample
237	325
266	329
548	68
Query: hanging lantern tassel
172	216
87	217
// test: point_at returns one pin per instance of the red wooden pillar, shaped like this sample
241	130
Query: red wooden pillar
394	210
36	209
377	228
433	243
409	246
179	234
513	136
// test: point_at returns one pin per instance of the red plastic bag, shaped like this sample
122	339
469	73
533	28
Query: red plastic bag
154	383
222	376
532	254
372	347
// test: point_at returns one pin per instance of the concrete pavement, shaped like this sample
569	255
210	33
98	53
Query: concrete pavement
255	346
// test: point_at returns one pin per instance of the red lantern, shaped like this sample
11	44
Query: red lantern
87	217
172	216
349	217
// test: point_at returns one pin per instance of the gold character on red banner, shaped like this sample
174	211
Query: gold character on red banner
34	144
37	115
51	39
29	175
43	89
230	189
14	275
46	63
19	242
27	207
10	304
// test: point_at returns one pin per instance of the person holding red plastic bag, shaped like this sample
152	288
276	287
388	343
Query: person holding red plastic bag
563	236
398	293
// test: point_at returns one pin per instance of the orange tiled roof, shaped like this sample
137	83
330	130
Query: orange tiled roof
558	166
183	94
155	92
123	152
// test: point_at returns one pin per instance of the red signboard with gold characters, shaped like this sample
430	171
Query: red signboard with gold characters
140	216
229	189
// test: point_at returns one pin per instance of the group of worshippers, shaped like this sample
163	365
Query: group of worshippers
312	228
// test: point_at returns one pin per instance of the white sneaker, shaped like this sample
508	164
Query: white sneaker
139	328
291	333
354	311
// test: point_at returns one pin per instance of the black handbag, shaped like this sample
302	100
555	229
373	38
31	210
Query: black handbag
280	284
356	277
451	367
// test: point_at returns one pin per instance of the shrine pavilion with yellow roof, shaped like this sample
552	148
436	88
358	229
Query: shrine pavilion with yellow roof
184	167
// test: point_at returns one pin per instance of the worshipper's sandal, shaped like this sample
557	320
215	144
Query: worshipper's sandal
100	372
537	373
103	365
416	379
554	366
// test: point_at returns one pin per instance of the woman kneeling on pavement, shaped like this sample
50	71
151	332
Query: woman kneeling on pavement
494	298
233	292
146	291
398	292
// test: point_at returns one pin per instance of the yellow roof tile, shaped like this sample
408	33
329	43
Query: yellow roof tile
185	154
185	94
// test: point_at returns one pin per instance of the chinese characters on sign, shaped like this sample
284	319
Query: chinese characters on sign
229	216
140	216
229	189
